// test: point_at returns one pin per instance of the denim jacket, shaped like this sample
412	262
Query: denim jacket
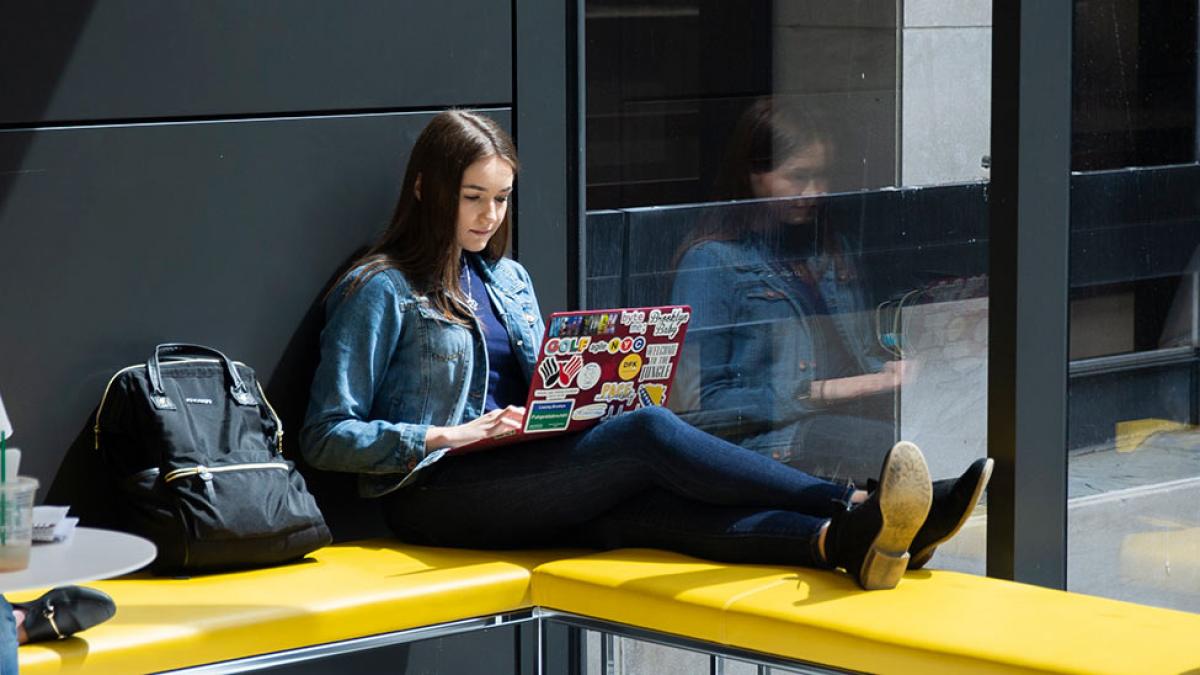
757	342
392	366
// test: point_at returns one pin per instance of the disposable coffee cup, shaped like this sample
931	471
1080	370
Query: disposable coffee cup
16	522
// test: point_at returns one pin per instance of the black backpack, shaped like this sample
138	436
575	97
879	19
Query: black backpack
196	453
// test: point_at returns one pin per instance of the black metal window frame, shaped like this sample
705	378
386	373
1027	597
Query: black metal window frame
1029	202
548	109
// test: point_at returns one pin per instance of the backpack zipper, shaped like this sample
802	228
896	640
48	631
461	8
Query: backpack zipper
206	472
107	387
278	422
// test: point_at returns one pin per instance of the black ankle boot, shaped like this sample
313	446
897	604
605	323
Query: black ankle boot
953	501
870	540
64	611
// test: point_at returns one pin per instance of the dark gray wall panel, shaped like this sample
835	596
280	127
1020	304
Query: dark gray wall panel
132	59
116	238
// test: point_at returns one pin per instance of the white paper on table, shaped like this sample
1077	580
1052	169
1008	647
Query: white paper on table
51	523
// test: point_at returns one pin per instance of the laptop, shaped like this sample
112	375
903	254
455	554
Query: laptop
596	364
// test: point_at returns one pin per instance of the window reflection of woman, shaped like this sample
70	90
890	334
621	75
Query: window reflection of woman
788	361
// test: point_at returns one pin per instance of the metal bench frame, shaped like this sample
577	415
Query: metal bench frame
555	641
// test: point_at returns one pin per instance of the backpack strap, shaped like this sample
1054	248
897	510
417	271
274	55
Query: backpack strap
237	388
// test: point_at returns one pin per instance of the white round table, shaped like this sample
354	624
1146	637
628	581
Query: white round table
88	555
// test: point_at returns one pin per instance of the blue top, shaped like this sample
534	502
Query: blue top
392	366
506	382
760	337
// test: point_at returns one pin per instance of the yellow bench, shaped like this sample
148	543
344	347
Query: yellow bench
341	592
933	622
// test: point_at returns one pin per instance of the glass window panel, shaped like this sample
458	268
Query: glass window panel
1134	91
638	657
811	178
668	81
595	653
1133	449
735	667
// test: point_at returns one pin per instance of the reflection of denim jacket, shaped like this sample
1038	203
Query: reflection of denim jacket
392	366
758	341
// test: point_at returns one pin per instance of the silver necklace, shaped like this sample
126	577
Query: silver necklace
466	283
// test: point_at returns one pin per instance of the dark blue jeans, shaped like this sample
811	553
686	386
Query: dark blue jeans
643	479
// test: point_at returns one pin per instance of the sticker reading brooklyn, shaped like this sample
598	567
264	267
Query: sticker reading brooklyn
667	324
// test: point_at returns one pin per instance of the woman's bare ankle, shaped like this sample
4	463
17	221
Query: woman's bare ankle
19	618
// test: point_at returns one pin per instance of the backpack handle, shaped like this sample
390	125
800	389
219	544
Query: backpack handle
237	388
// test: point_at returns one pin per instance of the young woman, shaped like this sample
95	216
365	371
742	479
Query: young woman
429	344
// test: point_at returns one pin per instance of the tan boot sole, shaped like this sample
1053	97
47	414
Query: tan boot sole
905	493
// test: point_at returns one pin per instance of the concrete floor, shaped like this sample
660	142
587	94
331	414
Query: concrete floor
1160	458
1133	524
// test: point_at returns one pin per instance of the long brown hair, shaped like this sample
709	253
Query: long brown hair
421	241
768	133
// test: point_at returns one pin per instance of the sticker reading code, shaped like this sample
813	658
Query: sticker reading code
548	415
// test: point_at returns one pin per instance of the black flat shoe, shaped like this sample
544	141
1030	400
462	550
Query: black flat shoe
953	502
871	540
64	611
